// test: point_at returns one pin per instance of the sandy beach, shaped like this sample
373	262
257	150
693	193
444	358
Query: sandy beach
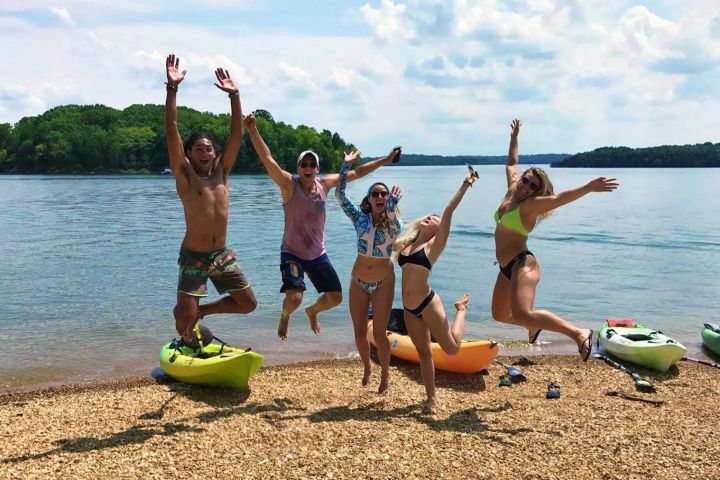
314	420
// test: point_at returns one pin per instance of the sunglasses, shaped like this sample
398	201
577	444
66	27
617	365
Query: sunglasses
379	194
305	164
526	181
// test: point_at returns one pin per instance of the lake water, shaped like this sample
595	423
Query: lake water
89	264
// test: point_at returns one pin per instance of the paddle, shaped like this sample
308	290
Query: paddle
640	383
512	371
704	362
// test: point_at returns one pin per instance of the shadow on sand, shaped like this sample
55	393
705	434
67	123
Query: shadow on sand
225	403
470	420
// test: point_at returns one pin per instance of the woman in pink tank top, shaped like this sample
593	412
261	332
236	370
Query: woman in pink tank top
303	245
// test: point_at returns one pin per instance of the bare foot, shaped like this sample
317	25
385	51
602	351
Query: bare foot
384	381
462	302
283	326
314	324
366	376
429	406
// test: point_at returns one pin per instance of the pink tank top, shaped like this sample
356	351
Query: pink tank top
304	234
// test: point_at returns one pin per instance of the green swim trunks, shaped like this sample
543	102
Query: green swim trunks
219	266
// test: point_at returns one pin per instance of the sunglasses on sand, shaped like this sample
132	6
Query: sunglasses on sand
304	164
526	181
382	194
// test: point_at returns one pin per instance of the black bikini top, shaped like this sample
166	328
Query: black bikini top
417	258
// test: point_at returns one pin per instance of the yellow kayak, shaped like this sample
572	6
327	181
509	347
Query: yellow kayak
473	356
223	366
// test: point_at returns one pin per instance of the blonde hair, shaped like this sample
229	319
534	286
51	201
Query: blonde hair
408	236
544	190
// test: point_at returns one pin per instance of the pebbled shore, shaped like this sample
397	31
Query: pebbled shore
313	420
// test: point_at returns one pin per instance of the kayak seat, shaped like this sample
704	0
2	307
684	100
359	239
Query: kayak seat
635	337
713	327
638	337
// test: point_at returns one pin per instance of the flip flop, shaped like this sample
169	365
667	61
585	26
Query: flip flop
505	381
534	338
553	391
588	340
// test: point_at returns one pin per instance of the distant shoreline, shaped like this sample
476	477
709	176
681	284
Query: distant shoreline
701	155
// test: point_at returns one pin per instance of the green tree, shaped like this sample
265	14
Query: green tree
100	139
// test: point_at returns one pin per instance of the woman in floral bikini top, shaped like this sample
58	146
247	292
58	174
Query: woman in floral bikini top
377	224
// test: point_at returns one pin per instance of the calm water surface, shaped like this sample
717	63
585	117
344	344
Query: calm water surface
89	264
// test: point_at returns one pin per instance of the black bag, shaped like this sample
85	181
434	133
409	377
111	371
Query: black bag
396	323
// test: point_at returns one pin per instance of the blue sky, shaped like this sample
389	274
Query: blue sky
438	77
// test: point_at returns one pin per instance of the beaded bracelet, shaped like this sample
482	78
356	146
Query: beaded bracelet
170	86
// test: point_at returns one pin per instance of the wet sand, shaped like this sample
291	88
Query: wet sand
314	420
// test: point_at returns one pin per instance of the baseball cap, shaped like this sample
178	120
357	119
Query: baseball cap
308	152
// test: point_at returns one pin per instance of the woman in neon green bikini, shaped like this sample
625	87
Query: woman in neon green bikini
529	199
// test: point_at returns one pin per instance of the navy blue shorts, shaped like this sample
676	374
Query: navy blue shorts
321	272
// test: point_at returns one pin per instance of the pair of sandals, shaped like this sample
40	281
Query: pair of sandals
553	390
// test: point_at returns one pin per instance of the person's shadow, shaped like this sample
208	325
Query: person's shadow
475	420
225	402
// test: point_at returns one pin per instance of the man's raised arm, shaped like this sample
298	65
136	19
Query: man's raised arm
282	178
174	141
232	146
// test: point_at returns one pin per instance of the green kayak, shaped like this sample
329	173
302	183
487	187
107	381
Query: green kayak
711	337
217	365
641	345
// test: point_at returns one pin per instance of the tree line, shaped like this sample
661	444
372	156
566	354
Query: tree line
667	156
96	139
534	159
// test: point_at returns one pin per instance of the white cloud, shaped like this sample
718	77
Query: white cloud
17	97
64	16
388	21
436	76
13	25
342	77
294	74
647	35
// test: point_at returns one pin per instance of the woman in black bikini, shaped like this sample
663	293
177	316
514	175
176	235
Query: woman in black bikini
418	249
529	199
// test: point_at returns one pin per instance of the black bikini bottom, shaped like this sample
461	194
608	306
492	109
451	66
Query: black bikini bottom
417	311
520	257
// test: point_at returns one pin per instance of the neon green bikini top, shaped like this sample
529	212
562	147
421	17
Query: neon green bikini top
512	220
